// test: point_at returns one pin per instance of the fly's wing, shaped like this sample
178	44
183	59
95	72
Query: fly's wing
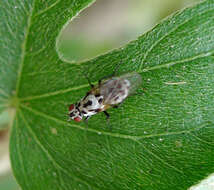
134	79
115	90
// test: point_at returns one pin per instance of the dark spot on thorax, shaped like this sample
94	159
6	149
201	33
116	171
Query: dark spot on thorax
88	103
97	95
95	110
78	109
84	112
100	100
91	110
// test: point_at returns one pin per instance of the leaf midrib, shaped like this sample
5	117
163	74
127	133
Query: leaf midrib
23	46
116	135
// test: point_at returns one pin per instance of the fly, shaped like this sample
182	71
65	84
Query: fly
107	94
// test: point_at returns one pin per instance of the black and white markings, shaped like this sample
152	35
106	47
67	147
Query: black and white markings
107	94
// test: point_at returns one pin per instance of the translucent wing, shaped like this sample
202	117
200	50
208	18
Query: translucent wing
116	89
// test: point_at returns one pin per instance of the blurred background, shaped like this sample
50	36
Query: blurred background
110	24
105	25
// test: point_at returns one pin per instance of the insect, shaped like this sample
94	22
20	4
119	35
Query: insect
108	93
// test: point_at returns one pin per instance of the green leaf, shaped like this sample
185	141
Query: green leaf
161	139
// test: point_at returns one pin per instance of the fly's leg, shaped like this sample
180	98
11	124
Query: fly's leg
107	119
106	77
86	121
106	114
89	82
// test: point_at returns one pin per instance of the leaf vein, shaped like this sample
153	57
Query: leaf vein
171	63
159	158
116	135
36	52
18	148
55	92
4	93
10	30
50	157
48	8
201	140
205	54
164	36
24	49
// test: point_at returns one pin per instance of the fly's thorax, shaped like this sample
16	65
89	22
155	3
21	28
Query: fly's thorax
91	104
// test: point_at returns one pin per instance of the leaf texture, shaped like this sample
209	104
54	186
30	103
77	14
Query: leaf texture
161	138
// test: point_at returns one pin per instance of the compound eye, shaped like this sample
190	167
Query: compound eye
71	107
77	119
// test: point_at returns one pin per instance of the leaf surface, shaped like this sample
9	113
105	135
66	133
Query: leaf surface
161	138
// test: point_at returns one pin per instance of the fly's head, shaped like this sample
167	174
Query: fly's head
74	113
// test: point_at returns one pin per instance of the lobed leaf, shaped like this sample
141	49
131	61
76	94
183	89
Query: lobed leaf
161	139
